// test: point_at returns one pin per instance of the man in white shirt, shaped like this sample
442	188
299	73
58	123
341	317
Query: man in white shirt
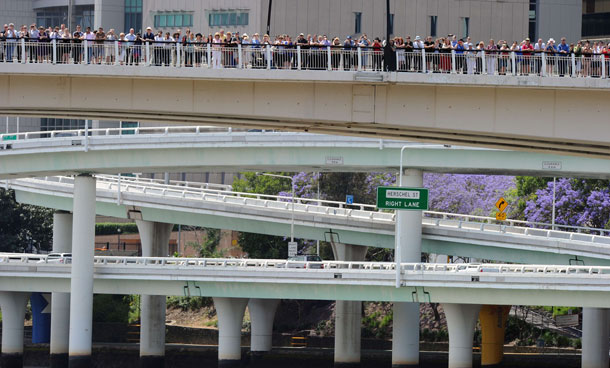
131	37
11	39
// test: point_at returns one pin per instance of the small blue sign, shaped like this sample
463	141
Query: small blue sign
41	317
349	199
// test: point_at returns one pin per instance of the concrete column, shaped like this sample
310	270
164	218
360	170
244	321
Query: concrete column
81	287
60	302
595	337
155	243
461	321
230	313
262	314
348	314
405	335
493	325
13	315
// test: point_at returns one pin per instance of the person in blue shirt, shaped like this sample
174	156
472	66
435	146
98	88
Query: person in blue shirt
564	52
459	56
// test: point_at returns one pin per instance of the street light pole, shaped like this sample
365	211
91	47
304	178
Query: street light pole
293	197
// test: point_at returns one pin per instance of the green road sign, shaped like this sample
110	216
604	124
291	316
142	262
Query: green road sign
395	198
9	138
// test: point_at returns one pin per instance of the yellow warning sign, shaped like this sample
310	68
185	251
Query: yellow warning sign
501	216
501	204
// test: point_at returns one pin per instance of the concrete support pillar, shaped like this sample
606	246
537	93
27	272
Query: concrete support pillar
461	321
493	325
348	314
81	287
60	302
262	314
230	313
13	315
405	335
595	337
155	243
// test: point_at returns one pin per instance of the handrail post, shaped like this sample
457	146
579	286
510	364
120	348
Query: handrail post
423	60
359	58
328	58
573	57
54	42
268	52
86	51
23	55
239	58
298	57
148	60
117	57
209	53
543	71
483	65
603	56
513	62
453	69
178	55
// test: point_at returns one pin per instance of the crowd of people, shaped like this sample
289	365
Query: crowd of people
441	55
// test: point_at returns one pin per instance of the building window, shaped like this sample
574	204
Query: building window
173	20
129	124
133	15
433	19
465	27
391	24
358	23
55	16
229	18
49	124
531	31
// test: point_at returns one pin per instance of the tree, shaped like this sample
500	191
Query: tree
23	226
258	245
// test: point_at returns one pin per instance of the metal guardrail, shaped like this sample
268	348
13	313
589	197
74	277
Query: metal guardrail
331	58
324	266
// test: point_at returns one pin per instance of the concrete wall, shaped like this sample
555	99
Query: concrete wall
110	14
560	18
16	11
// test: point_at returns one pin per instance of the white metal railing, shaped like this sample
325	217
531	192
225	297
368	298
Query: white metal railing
288	57
261	264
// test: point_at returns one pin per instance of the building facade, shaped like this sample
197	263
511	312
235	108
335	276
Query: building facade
596	19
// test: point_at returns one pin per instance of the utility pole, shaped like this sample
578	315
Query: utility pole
388	53
71	15
269	18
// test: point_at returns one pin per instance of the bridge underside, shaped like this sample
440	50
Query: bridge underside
382	238
497	116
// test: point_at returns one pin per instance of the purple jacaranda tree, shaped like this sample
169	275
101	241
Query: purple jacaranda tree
574	205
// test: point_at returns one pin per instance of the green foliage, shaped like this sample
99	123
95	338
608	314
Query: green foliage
23	225
111	308
561	311
189	303
261	184
377	324
134	308
208	248
109	228
336	186
433	336
526	191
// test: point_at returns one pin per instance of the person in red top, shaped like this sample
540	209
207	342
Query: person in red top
377	54
527	49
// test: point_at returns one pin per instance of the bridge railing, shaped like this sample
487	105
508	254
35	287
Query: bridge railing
304	57
273	264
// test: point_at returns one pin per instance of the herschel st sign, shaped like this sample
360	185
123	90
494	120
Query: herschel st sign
395	198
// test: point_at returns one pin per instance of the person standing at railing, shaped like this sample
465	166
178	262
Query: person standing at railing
377	54
491	57
429	48
109	46
32	47
399	45
100	37
418	46
64	47
216	51
349	45
168	43
527	49
158	49
256	56
90	37
198	49
44	47
77	51
130	39
460	57
3	43
503	58
147	39
564	57
445	55
539	48
189	50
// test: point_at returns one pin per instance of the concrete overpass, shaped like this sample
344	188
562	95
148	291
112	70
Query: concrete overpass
189	149
510	112
364	225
